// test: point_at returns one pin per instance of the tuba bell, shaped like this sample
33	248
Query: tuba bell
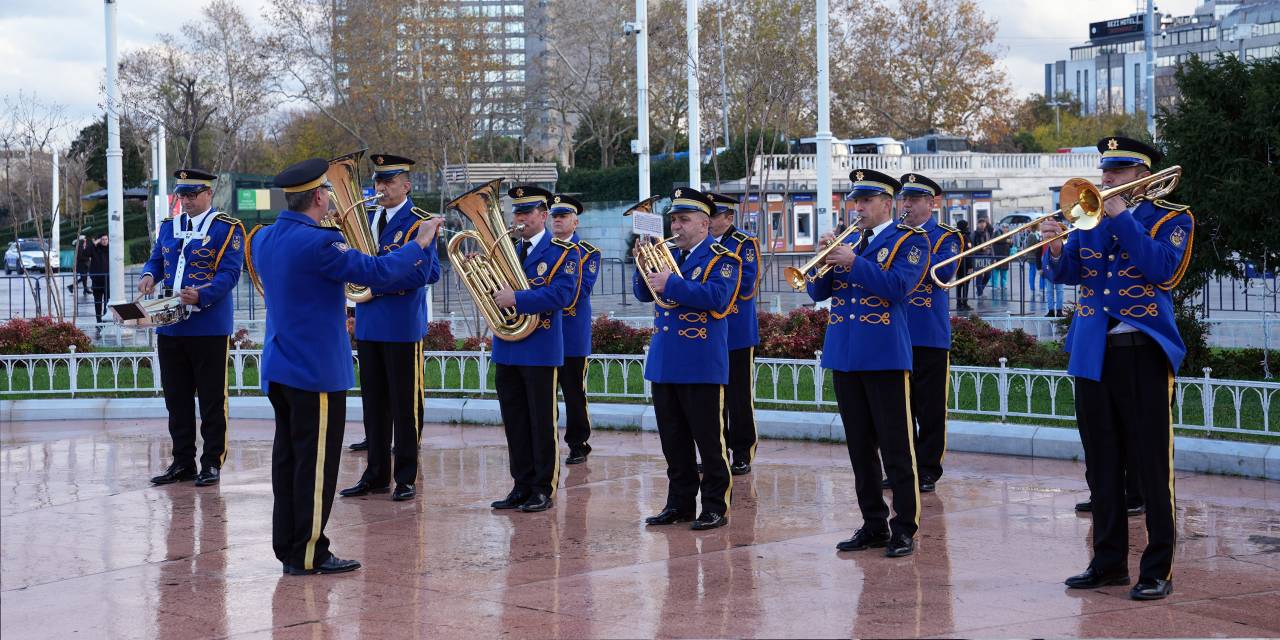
497	264
653	256
349	215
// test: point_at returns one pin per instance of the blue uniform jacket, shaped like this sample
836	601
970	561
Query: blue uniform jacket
744	327
1125	268
215	260
867	323
929	306
303	269
398	313
552	276
577	316
691	341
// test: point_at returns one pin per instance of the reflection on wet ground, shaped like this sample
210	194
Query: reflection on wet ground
90	549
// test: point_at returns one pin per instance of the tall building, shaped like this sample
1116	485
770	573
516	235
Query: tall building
1108	73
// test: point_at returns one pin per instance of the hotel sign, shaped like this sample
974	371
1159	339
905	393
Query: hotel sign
1117	27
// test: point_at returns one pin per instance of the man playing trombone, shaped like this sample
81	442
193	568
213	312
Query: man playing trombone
1125	349
868	348
389	332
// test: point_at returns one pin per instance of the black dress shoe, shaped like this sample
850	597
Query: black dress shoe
363	445
709	521
864	539
285	568
1085	507
512	501
536	502
362	488
669	516
333	565
403	492
577	456
207	477
1151	589
900	544
739	468
1092	579
1135	510
928	484
175	473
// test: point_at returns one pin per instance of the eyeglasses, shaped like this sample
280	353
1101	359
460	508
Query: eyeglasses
190	195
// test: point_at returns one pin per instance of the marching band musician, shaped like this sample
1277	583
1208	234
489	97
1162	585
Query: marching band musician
306	356
198	254
744	335
1124	351
868	348
577	328
929	322
526	369
688	363
389	333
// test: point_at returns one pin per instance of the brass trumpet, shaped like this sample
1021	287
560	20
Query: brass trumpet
1085	213
654	257
795	276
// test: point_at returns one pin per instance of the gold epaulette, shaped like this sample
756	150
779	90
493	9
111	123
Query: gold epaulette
947	227
720	249
1171	206
425	215
227	218
588	247
562	243
740	236
907	227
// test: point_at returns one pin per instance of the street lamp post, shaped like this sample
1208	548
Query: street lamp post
115	174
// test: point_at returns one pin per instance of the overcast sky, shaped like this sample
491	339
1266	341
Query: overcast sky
55	48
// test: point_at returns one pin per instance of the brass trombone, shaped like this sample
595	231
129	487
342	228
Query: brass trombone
654	257
795	276
1084	214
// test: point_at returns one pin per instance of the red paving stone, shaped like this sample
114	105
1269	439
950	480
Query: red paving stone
90	549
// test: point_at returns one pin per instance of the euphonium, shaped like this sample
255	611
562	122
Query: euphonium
349	215
796	275
653	257
496	265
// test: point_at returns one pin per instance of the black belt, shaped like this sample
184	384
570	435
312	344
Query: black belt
1128	339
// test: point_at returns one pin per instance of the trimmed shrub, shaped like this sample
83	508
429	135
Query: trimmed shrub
242	339
20	336
976	343
796	335
615	336
439	337
472	343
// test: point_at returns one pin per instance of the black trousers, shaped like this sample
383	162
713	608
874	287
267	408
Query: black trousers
875	408
740	405
391	392
192	366
1127	418
99	295
304	470
930	380
573	385
527	399
689	416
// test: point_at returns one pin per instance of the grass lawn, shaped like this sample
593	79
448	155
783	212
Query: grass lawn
780	387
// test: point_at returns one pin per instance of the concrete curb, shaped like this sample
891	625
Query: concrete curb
1198	455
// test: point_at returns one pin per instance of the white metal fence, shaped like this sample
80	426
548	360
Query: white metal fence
1201	403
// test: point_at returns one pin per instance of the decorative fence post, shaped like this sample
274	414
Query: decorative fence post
483	368
1002	388
818	381
73	370
648	391
1206	396
237	365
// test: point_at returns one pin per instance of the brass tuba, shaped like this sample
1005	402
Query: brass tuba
349	215
654	256
496	264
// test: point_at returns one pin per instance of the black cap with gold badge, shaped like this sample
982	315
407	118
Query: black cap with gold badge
869	182
564	205
302	176
724	204
526	196
686	199
386	165
1119	152
914	184
192	181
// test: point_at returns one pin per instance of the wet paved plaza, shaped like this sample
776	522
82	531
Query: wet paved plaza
91	550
